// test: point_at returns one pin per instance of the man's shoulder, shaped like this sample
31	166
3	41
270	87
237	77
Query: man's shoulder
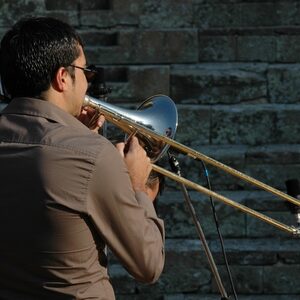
80	141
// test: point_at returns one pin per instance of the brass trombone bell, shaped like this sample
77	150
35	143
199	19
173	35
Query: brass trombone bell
157	113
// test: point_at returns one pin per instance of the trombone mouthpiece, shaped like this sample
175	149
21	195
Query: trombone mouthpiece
88	101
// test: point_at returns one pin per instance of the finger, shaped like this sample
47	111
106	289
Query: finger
83	111
95	129
128	144
100	121
134	140
133	143
89	110
120	147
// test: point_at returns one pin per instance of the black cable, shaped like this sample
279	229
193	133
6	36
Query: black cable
218	231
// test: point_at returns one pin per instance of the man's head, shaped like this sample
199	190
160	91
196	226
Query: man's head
32	52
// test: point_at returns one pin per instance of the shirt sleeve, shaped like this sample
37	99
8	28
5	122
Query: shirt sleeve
126	220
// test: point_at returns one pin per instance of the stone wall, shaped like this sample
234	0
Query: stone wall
233	69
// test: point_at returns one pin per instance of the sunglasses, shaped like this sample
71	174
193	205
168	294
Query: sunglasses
90	72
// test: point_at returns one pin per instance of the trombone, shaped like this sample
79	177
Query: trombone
155	123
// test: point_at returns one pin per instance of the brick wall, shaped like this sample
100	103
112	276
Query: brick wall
233	69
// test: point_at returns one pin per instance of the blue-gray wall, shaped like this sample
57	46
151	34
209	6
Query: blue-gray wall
233	69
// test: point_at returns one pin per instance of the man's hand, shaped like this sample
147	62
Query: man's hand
91	118
138	163
152	188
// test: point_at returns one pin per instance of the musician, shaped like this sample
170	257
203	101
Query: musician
66	192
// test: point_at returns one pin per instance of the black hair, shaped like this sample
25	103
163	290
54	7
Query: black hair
32	51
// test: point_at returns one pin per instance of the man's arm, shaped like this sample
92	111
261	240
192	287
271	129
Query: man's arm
124	215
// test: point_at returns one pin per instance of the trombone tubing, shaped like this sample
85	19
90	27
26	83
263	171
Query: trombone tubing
120	120
199	188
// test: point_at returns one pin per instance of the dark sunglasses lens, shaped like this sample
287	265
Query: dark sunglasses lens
89	74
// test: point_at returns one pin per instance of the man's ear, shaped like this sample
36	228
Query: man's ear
61	79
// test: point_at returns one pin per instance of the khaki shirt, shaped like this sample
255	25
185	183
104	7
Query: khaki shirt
65	193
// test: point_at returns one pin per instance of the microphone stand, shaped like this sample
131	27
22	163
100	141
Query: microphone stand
174	164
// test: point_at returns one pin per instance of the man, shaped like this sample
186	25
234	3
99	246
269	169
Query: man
66	192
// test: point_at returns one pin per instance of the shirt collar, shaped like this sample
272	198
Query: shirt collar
41	108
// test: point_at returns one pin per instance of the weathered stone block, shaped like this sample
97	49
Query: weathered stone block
99	18
233	222
134	7
12	11
231	155
148	47
288	123
149	80
259	48
119	51
267	162
263	163
183	270
167	14
287	13
273	154
62	5
111	14
237	14
289	252
256	228
261	200
126	83
218	83
246	251
121	92
283	83
179	222
271	164
255	124
69	16
247	124
273	174
98	38
186	259
254	14
215	47
193	125
286	53
281	279
247	279
166	46
216	15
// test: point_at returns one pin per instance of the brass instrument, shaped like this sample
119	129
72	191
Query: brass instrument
155	123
